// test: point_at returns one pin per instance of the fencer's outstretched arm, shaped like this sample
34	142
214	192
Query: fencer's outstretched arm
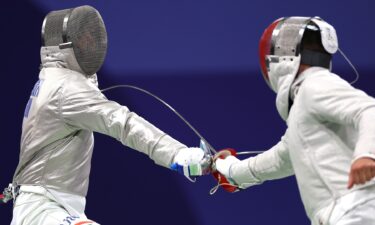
83	106
269	165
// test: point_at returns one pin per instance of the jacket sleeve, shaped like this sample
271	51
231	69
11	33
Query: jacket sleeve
269	165
83	106
333	99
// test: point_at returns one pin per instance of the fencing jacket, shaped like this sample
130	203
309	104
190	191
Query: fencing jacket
329	125
64	109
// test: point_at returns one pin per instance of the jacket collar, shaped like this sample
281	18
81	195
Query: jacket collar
301	77
54	57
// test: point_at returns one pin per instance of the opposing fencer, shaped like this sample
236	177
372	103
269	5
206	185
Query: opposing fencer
329	144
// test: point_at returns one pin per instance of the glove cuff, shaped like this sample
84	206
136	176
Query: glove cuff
188	171
242	175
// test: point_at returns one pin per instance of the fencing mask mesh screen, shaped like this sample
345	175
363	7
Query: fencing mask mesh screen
81	28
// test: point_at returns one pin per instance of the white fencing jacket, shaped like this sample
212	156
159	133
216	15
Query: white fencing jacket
64	110
329	125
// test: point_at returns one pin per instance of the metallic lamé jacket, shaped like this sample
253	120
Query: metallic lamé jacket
64	109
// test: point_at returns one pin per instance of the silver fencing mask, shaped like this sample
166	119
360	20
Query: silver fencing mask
283	41
288	43
80	28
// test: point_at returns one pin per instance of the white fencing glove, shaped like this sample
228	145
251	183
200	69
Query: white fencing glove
224	166
190	162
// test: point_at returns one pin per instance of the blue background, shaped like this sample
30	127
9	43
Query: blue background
201	57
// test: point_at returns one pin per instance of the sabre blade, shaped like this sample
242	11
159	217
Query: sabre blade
209	146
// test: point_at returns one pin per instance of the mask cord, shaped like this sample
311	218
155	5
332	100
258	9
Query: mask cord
351	64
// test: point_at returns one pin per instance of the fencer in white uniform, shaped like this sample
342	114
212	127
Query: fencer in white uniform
64	109
329	144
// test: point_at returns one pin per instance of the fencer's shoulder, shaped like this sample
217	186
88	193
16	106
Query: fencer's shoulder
78	85
77	81
323	82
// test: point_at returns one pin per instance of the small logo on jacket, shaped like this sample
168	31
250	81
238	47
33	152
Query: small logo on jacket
76	220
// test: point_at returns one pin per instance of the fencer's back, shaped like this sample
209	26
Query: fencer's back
325	125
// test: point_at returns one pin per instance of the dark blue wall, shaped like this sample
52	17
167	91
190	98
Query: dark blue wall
201	57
